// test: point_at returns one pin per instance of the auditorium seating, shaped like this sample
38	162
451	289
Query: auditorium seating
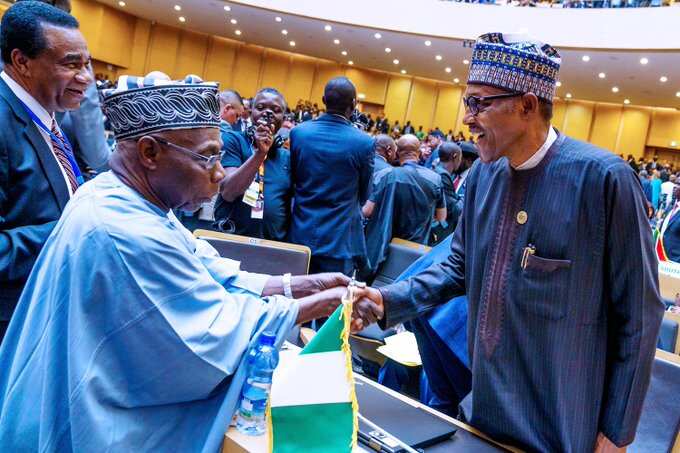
259	255
660	419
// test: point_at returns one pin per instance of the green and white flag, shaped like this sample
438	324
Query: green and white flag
313	406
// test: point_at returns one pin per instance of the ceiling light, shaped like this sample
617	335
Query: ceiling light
456	80
234	21
377	36
388	50
395	61
121	3
403	71
663	79
602	75
292	43
438	57
558	84
284	32
361	96
466	61
178	8
350	62
568	95
278	19
585	58
181	18
644	60
428	43
336	41
227	8
677	94
626	101
615	89
447	69
344	52
328	28
237	32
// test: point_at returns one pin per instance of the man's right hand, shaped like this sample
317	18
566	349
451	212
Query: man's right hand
367	309
264	137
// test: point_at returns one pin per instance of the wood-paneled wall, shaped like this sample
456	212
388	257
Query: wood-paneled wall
246	68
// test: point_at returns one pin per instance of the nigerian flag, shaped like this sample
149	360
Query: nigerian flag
313	407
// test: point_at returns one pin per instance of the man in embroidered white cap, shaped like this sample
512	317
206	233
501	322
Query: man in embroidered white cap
555	254
130	333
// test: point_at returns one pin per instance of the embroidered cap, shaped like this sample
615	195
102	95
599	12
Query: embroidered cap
143	105
515	62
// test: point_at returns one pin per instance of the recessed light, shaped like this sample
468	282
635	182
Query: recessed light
278	19
178	8
227	8
558	84
292	43
328	28
428	43
585	58
336	41
626	101
388	50
615	89
350	62
677	94
237	32
466	61
284	32
361	96
644	60
344	52
568	95
663	79
447	69
234	21
377	36
403	71
602	75
182	19
438	57
456	80
121	4
395	61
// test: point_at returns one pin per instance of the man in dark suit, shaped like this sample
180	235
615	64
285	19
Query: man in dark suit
450	157
46	71
331	167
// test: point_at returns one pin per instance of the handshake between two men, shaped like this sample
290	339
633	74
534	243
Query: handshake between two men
320	294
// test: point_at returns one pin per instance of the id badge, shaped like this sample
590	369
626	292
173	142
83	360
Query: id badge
257	211
252	194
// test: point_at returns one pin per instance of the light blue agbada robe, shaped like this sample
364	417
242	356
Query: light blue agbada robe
130	333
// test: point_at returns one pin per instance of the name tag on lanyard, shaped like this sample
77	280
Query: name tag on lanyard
254	195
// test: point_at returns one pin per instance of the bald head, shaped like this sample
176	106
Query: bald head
231	106
340	96
157	75
408	148
386	147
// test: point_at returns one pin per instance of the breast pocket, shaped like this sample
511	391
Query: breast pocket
544	287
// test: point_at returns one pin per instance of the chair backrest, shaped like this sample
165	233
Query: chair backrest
669	280
400	255
660	419
669	334
259	255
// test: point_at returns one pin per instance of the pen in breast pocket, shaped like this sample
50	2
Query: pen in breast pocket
528	250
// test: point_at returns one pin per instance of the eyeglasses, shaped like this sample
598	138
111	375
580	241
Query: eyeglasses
473	103
209	162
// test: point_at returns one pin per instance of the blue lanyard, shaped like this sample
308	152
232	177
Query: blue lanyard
65	144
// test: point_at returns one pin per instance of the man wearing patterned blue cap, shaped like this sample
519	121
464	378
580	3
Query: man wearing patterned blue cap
130	333
555	254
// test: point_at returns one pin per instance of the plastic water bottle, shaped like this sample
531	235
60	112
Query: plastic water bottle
261	363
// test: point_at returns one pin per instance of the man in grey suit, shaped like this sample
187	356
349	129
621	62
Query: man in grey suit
46	71
555	254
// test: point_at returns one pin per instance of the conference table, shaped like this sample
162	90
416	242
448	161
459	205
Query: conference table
466	438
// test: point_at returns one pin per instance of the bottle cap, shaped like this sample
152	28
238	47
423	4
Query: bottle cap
267	338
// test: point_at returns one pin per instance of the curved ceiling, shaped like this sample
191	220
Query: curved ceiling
406	26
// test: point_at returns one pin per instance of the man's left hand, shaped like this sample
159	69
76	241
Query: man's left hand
604	445
305	285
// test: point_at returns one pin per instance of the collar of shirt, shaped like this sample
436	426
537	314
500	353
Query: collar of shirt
380	157
25	97
540	154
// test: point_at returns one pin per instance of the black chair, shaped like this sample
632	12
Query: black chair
660	419
259	255
669	334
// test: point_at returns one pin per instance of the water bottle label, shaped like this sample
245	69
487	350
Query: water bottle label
261	385
246	405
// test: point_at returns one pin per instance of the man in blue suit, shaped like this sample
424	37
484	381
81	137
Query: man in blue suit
46	71
331	167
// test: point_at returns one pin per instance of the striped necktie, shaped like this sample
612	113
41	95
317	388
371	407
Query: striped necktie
60	148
